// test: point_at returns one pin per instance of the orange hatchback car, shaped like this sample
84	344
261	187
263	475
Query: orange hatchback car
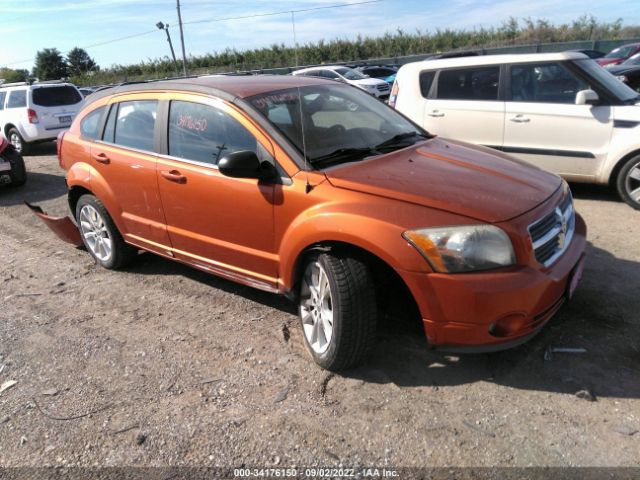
315	190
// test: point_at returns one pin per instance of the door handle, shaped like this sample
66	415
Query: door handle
101	157
520	119
435	113
174	176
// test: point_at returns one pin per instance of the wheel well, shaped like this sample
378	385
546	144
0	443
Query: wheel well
74	195
8	127
392	294
614	173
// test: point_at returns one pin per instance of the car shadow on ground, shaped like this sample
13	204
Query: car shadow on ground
39	187
600	318
603	193
41	149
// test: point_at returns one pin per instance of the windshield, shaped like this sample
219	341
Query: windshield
632	60
605	80
341	123
55	96
350	74
620	52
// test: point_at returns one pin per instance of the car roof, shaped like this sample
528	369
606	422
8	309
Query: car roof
223	86
493	60
322	67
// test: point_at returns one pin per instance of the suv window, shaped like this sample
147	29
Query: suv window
3	95
89	124
134	125
426	79
477	83
203	133
329	74
544	82
17	99
56	96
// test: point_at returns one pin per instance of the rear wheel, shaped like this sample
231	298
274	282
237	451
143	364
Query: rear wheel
100	235
338	313
18	171
18	142
628	182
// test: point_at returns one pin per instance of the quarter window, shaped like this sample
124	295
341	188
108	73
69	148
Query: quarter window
426	79
479	83
89	124
546	83
135	124
203	133
17	99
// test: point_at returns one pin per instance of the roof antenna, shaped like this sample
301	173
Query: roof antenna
307	187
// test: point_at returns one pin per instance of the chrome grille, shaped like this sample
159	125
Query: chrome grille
551	235
382	87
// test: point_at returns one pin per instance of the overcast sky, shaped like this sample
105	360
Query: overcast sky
30	25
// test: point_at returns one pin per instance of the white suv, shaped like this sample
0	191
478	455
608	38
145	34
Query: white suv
31	113
559	111
374	86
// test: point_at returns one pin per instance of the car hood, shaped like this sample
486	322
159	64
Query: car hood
448	175
368	81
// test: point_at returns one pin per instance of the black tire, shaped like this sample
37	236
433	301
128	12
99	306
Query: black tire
628	182
23	148
18	171
354	309
121	253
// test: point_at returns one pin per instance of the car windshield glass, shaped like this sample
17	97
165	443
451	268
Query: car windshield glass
620	52
341	124
632	60
350	74
56	96
607	81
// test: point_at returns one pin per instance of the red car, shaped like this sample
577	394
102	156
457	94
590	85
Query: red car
619	55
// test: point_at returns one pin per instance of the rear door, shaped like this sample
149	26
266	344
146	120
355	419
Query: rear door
544	126
56	106
466	105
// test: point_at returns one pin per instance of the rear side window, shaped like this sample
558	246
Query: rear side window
135	124
56	96
329	74
17	99
203	133
478	83
426	80
3	95
89	124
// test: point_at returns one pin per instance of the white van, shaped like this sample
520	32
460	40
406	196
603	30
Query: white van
31	113
559	111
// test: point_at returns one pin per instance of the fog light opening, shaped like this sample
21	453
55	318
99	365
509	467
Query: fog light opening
508	325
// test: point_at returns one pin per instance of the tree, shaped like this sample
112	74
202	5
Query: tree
9	75
79	62
50	65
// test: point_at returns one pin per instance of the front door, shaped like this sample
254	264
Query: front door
219	223
544	126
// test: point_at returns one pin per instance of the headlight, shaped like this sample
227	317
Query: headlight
463	249
622	78
370	87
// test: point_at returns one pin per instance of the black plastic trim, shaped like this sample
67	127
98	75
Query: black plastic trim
543	151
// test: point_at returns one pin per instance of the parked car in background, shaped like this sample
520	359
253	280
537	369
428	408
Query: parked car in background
619	55
86	91
378	71
276	182
628	72
559	111
373	86
12	168
590	53
31	113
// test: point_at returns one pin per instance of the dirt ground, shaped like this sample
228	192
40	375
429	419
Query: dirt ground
164	365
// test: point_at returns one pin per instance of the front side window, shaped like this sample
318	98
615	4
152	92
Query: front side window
545	83
350	74
134	124
329	74
17	99
89	124
477	83
3	95
203	133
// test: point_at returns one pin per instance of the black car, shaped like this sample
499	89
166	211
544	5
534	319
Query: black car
629	74
590	53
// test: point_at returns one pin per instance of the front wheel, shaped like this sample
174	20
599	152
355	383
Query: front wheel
18	173
628	182
337	307
18	142
100	235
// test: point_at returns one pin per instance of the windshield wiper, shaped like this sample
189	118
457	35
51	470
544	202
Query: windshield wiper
343	154
397	139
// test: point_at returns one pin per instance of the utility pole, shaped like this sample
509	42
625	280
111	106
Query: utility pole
165	27
184	55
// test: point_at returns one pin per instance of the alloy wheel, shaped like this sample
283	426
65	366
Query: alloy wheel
316	308
632	182
95	233
16	141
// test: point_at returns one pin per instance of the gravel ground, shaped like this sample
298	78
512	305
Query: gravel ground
164	365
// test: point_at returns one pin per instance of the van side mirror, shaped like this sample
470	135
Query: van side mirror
587	97
245	164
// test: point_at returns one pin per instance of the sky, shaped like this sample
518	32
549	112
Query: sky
30	25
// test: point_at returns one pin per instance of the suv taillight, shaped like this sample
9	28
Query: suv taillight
394	94
59	146
33	116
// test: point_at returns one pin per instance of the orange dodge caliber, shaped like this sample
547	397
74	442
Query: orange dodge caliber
318	191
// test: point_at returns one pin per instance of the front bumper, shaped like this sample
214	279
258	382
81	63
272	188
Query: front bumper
495	310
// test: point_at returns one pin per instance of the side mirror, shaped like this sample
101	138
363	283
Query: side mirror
587	97
245	164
